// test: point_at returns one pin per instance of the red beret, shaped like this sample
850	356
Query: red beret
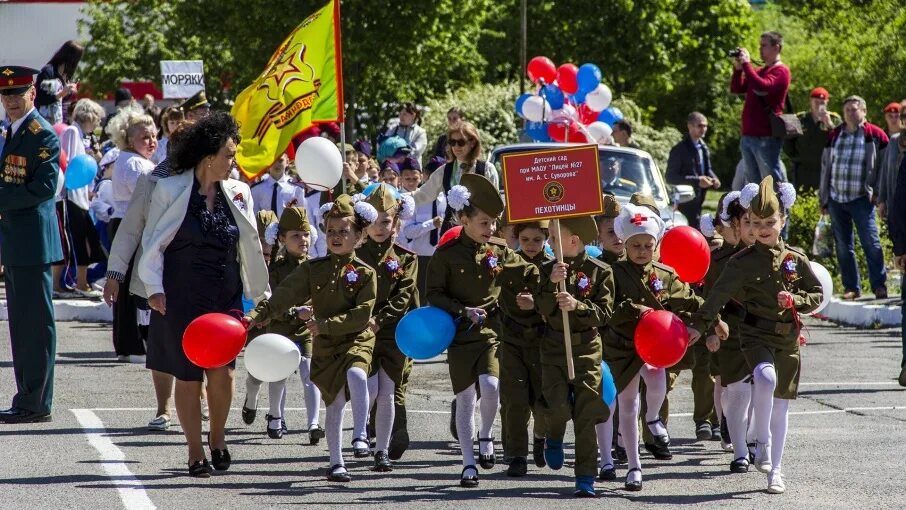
892	108
819	92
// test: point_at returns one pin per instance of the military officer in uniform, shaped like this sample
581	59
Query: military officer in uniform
196	107
30	243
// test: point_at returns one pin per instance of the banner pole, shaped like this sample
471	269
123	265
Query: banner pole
567	337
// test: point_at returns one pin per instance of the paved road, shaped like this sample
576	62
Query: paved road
844	451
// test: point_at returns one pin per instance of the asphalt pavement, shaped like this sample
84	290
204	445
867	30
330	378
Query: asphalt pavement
845	447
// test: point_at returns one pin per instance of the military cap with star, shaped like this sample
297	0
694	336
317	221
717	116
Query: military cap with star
16	79
199	100
644	200
477	191
611	206
293	218
384	198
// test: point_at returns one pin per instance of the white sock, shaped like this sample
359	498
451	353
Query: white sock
334	423
655	393
357	382
276	392
605	442
718	402
465	424
489	404
385	412
779	423
252	387
737	397
629	421
312	393
763	395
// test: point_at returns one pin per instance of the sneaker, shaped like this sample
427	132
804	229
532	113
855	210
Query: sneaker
89	294
775	482
585	487
159	423
538	452
703	431
716	434
849	295
762	461
65	294
553	453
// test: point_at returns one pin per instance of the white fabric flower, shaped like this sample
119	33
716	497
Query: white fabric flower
407	210
706	225
458	197
358	197
313	235
270	233
748	194
731	196
787	195
326	208
366	211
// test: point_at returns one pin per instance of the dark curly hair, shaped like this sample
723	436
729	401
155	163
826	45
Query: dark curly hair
202	139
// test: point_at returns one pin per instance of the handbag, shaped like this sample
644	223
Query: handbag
786	125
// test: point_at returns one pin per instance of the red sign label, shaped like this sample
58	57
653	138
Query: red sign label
552	183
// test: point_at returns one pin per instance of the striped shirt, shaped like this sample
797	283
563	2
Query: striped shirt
848	166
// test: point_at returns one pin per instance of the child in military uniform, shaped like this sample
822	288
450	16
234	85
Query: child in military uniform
588	302
464	280
611	245
342	290
775	284
520	355
396	270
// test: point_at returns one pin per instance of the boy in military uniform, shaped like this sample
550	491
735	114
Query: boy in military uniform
464	280
342	290
611	245
588	302
29	243
519	351
396	270
775	283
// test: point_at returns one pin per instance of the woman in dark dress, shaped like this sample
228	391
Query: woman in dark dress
200	253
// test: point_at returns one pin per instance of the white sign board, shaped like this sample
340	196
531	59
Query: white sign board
181	78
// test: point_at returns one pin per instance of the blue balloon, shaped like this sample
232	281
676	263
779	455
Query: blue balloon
549	251
520	101
537	131
592	251
579	97
588	77
80	172
608	386
425	332
610	115
247	305
554	96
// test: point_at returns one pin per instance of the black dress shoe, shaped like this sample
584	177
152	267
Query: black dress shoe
518	467
607	473
703	431
716	433
453	421
315	434
382	462
16	415
220	459
468	481
248	415
633	486
338	473
276	433
360	452
619	455
538	452
659	451
399	443
740	465
200	469
486	461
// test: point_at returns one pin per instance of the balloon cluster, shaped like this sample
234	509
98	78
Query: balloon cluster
570	104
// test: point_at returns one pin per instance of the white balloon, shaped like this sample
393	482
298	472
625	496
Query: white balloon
568	112
319	163
827	284
271	357
536	109
599	132
599	98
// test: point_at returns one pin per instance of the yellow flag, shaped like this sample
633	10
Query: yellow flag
302	84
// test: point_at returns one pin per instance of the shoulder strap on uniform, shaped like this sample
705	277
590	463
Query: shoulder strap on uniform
599	263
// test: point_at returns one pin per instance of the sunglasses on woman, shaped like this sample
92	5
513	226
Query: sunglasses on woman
458	142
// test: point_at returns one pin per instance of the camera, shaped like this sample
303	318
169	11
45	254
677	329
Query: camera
733	53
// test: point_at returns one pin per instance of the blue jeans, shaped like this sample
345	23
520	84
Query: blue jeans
761	157
861	212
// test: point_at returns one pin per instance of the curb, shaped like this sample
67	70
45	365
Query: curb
72	310
863	314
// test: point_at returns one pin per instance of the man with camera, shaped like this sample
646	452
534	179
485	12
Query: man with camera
765	90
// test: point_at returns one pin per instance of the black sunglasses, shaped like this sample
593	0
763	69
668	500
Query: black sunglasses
458	142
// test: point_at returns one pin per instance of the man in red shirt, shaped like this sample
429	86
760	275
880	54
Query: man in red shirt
765	90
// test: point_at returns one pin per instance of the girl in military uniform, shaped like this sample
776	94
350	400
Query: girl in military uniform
464	280
641	285
775	284
342	290
396	270
519	350
588	303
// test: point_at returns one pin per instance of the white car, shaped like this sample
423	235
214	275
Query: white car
624	171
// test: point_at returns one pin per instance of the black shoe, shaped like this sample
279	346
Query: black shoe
468	482
16	415
335	475
660	452
619	455
740	465
360	452
453	421
276	433
633	486
221	459
538	452
382	462
315	434
283	426
607	474
703	431
716	433
486	461
518	467
248	415
200	469
751	447
399	443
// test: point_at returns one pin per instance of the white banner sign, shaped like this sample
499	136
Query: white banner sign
181	78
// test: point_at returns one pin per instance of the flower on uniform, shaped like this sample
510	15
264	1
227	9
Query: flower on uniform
350	276
239	201
393	267
583	284
656	285
789	268
491	262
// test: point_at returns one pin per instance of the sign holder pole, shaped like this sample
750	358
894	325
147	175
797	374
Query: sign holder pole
567	337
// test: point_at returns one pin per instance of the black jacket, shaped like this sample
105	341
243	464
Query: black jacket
683	164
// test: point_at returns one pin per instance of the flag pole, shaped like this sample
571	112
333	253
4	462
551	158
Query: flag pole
341	101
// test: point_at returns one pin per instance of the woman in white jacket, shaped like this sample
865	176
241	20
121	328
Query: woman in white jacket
200	254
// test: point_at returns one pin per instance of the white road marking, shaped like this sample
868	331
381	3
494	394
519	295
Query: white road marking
131	491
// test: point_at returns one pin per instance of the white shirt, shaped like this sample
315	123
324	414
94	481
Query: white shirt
435	184
313	207
415	233
71	141
287	193
102	205
17	124
126	169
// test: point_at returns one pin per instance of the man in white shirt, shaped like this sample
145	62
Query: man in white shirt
421	232
275	192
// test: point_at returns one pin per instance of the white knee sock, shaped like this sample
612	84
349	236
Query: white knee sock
737	397
779	423
629	421
357	382
276	393
718	402
763	395
312	393
490	403
655	393
465	424
385	412
334	425
605	442
252	387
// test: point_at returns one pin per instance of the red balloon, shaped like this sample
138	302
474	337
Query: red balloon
449	235
576	135
567	78
58	128
586	114
686	250
213	340
541	68
64	160
661	338
557	132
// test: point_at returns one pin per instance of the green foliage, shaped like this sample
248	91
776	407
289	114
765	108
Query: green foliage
656	142
488	106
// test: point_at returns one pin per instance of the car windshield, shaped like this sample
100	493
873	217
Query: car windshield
624	174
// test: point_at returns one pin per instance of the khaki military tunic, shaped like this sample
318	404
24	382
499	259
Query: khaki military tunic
767	333
342	291
590	281
288	324
729	362
461	274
